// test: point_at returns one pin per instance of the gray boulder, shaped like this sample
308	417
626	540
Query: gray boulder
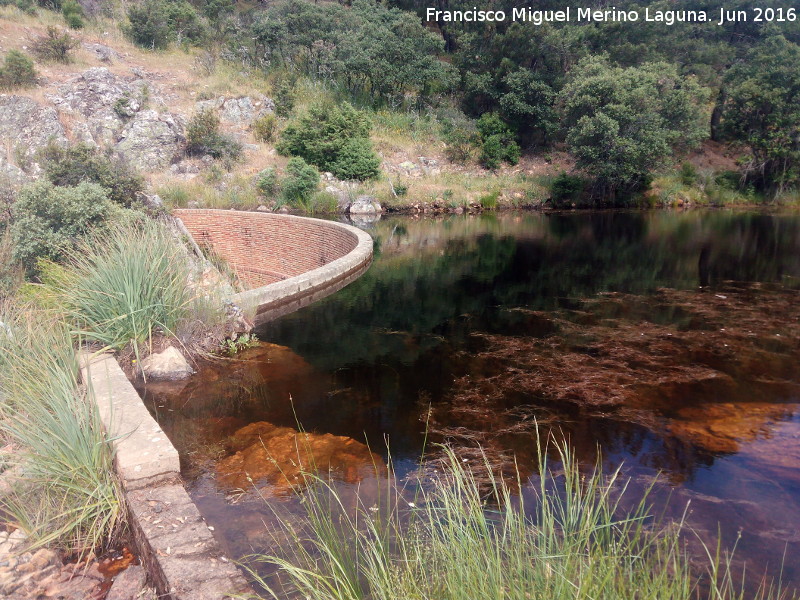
241	111
168	365
365	205
151	141
27	125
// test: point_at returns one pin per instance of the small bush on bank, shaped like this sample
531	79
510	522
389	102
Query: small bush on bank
497	142
17	71
300	183
73	14
267	182
69	166
124	285
333	138
67	495
567	189
54	46
264	128
203	137
47	220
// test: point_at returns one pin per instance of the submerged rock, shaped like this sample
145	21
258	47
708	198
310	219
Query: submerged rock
278	456
168	365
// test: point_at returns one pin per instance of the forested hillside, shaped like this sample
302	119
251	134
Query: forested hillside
621	110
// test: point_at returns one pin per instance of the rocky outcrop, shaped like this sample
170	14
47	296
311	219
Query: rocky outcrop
28	126
241	111
151	141
104	99
169	365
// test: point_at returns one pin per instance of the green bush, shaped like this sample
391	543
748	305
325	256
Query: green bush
17	71
267	182
47	220
203	137
567	189
489	201
54	46
73	14
264	128
356	160
497	142
284	97
300	183
153	24
460	137
334	138
688	174
69	166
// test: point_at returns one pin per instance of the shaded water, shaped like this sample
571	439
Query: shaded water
669	341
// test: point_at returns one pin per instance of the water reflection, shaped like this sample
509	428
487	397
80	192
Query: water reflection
669	341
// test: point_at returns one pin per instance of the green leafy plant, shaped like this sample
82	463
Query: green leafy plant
154	24
71	165
48	220
497	142
73	14
300	183
238	343
264	128
334	138
54	46
267	182
17	71
203	137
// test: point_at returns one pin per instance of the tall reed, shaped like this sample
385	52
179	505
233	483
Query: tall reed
123	285
449	543
66	494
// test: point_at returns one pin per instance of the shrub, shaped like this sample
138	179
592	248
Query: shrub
332	137
125	284
48	219
153	24
567	189
73	14
300	182
17	71
688	174
67	495
54	46
460	136
284	97
203	137
356	160
489	201
69	166
497	142
264	128
267	182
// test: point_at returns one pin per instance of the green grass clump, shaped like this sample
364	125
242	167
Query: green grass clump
124	285
577	542
66	494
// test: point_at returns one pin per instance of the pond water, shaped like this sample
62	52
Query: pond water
666	341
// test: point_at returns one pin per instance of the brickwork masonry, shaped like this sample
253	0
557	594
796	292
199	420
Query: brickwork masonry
286	261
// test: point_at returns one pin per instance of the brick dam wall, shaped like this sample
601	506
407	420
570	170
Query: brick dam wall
286	262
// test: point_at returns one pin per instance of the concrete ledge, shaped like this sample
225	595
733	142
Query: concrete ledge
182	557
316	257
143	455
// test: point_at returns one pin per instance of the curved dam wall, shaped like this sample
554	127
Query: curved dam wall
287	262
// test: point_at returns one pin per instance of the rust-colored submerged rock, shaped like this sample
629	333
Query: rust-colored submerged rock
279	456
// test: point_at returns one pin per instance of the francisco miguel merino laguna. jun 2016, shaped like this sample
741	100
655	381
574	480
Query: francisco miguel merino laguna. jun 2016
569	14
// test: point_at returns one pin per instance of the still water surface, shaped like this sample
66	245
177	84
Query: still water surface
667	341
